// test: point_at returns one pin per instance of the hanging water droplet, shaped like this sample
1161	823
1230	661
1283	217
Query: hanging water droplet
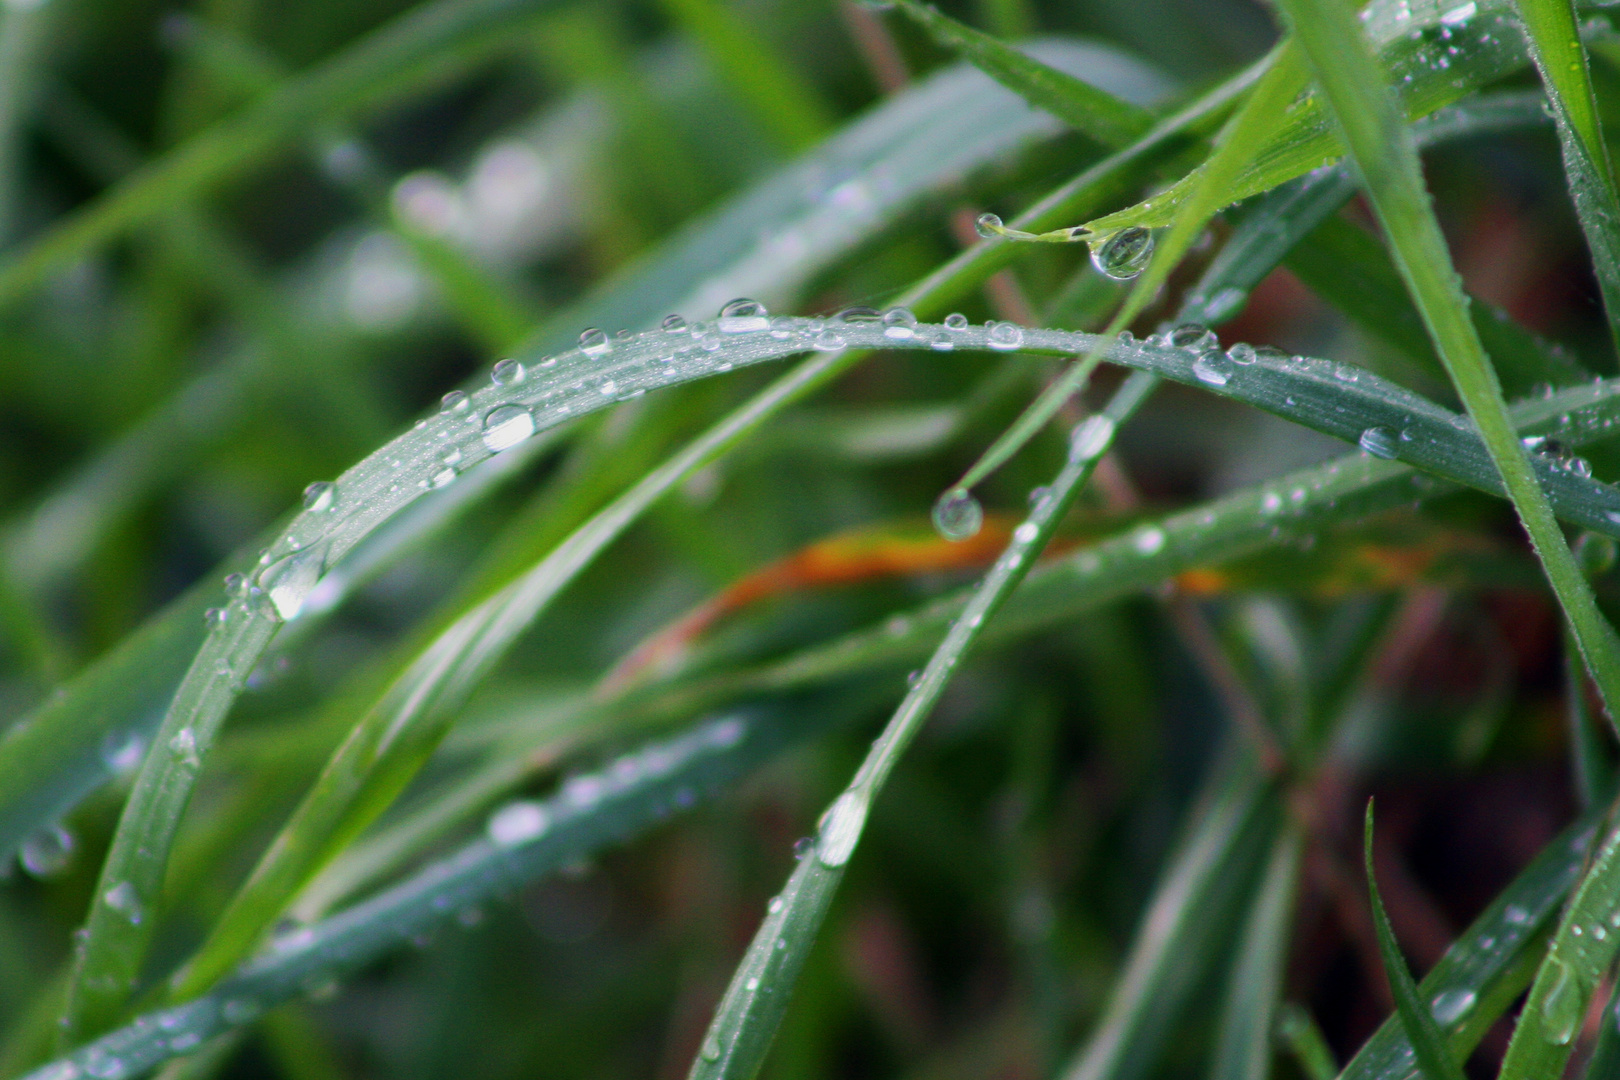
957	514
319	496
508	373
673	324
956	321
288	580
123	899
594	342
1380	442
506	426
841	828
1449	1006
1005	336
518	823
1242	354
1595	553
1192	336
988	226
453	402
1091	438
46	852
1212	368
1125	254
899	323
1561	1008
743	316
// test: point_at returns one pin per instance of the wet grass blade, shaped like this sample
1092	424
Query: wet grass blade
1555	46
1244	1047
1422	1032
1299	1031
1385	157
1090	111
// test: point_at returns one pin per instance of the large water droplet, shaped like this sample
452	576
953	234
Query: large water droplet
507	426
594	342
841	828
1091	438
508	373
1125	254
829	341
1449	1006
1005	336
1561	1008
46	852
1595	553
1212	368
988	226
288	580
899	323
518	823
1242	354
319	496
123	899
744	316
957	514
673	324
1380	442
453	402
956	321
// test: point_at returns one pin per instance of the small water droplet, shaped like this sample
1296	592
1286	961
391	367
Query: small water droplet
123	899
121	752
752	984
841	827
1242	354
743	316
956	321
988	226
508	373
288	581
46	852
1449	1006
594	342
319	496
518	823
441	479
711	1048
1149	541
1125	254
214	616
958	515
1091	438
829	341
673	324
775	905
453	402
1561	1008
1212	368
899	323
860	315
1026	533
184	747
1516	915
506	426
1380	442
1192	336
1005	336
1595	553
803	846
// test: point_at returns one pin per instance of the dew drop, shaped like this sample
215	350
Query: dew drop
1125	254
1380	442
121	752
506	426
442	479
673	324
1212	368
1596	554
123	899
841	828
860	315
1516	915
1242	354
184	747
1149	541
594	342
711	1048
453	402
775	905
752	984
956	321
988	226
319	496
1561	1008
1192	336
518	823
743	316
802	847
508	373
46	852
1005	336
829	341
899	323
1091	438
288	580
213	617
1449	1006
957	514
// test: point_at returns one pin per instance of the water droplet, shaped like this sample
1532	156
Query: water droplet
743	316
1380	442
1242	354
123	899
803	846
899	323
453	402
1459	14
319	496
1192	336
594	342
752	984
1579	466
988	226
957	514
673	324
860	315
956	321
506	426
1005	336
214	616
288	580
1449	1006
518	823
1595	553
775	905
608	388
711	1048
1212	368
46	852
1091	438
442	478
184	748
829	341
121	752
508	373
1026	533
104	1066
234	583
1561	1008
1516	915
1125	254
841	827
1149	541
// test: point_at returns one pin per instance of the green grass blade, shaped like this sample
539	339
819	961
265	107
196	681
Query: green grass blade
1590	757
1422	1031
1243	1049
1298	1029
1382	149
751	1010
1582	951
1076	102
1604	1064
1555	45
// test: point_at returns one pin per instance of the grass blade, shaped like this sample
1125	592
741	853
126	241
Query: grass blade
1244	1048
1382	149
1428	1042
1297	1028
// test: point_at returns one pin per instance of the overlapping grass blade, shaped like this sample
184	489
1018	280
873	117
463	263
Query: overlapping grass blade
1243	1050
1422	1031
1386	159
1299	1032
1555	45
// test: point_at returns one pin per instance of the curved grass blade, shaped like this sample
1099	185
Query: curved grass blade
1582	950
524	840
1427	1040
1386	158
1297	1028
1243	1049
751	1010
1555	45
1074	101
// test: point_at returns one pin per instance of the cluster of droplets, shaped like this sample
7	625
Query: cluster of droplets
1557	454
